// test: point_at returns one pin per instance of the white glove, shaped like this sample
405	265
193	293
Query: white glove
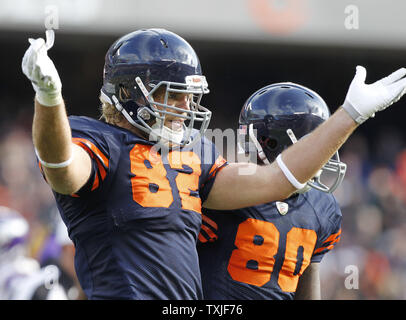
40	69
363	100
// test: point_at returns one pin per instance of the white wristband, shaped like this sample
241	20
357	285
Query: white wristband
54	165
289	174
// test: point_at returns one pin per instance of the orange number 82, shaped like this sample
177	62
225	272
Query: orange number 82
150	184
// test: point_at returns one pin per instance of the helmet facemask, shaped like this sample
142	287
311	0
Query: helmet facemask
151	115
195	87
334	166
330	176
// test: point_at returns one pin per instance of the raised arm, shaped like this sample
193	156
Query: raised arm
65	165
269	183
296	164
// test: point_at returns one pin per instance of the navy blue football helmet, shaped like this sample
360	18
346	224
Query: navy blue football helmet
276	116
140	63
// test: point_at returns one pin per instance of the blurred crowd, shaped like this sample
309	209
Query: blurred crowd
36	254
369	262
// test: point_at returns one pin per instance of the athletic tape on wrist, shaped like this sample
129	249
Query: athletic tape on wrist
354	114
289	174
48	100
54	165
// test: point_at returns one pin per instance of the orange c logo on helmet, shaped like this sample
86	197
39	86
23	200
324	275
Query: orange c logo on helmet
284	18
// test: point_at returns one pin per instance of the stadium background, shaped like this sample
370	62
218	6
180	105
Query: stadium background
242	45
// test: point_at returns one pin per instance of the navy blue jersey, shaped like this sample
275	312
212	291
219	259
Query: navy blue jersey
260	252
136	222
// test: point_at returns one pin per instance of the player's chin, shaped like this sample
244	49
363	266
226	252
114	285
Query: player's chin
175	125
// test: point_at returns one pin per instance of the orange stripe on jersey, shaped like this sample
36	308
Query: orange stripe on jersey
329	242
217	164
202	239
101	160
102	171
94	150
334	238
209	222
95	183
210	233
322	249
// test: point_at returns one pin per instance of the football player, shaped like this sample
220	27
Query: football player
273	250
130	187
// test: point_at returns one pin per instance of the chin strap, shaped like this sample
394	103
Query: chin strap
260	151
279	161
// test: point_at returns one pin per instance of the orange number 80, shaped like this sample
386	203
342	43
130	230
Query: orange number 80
257	243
